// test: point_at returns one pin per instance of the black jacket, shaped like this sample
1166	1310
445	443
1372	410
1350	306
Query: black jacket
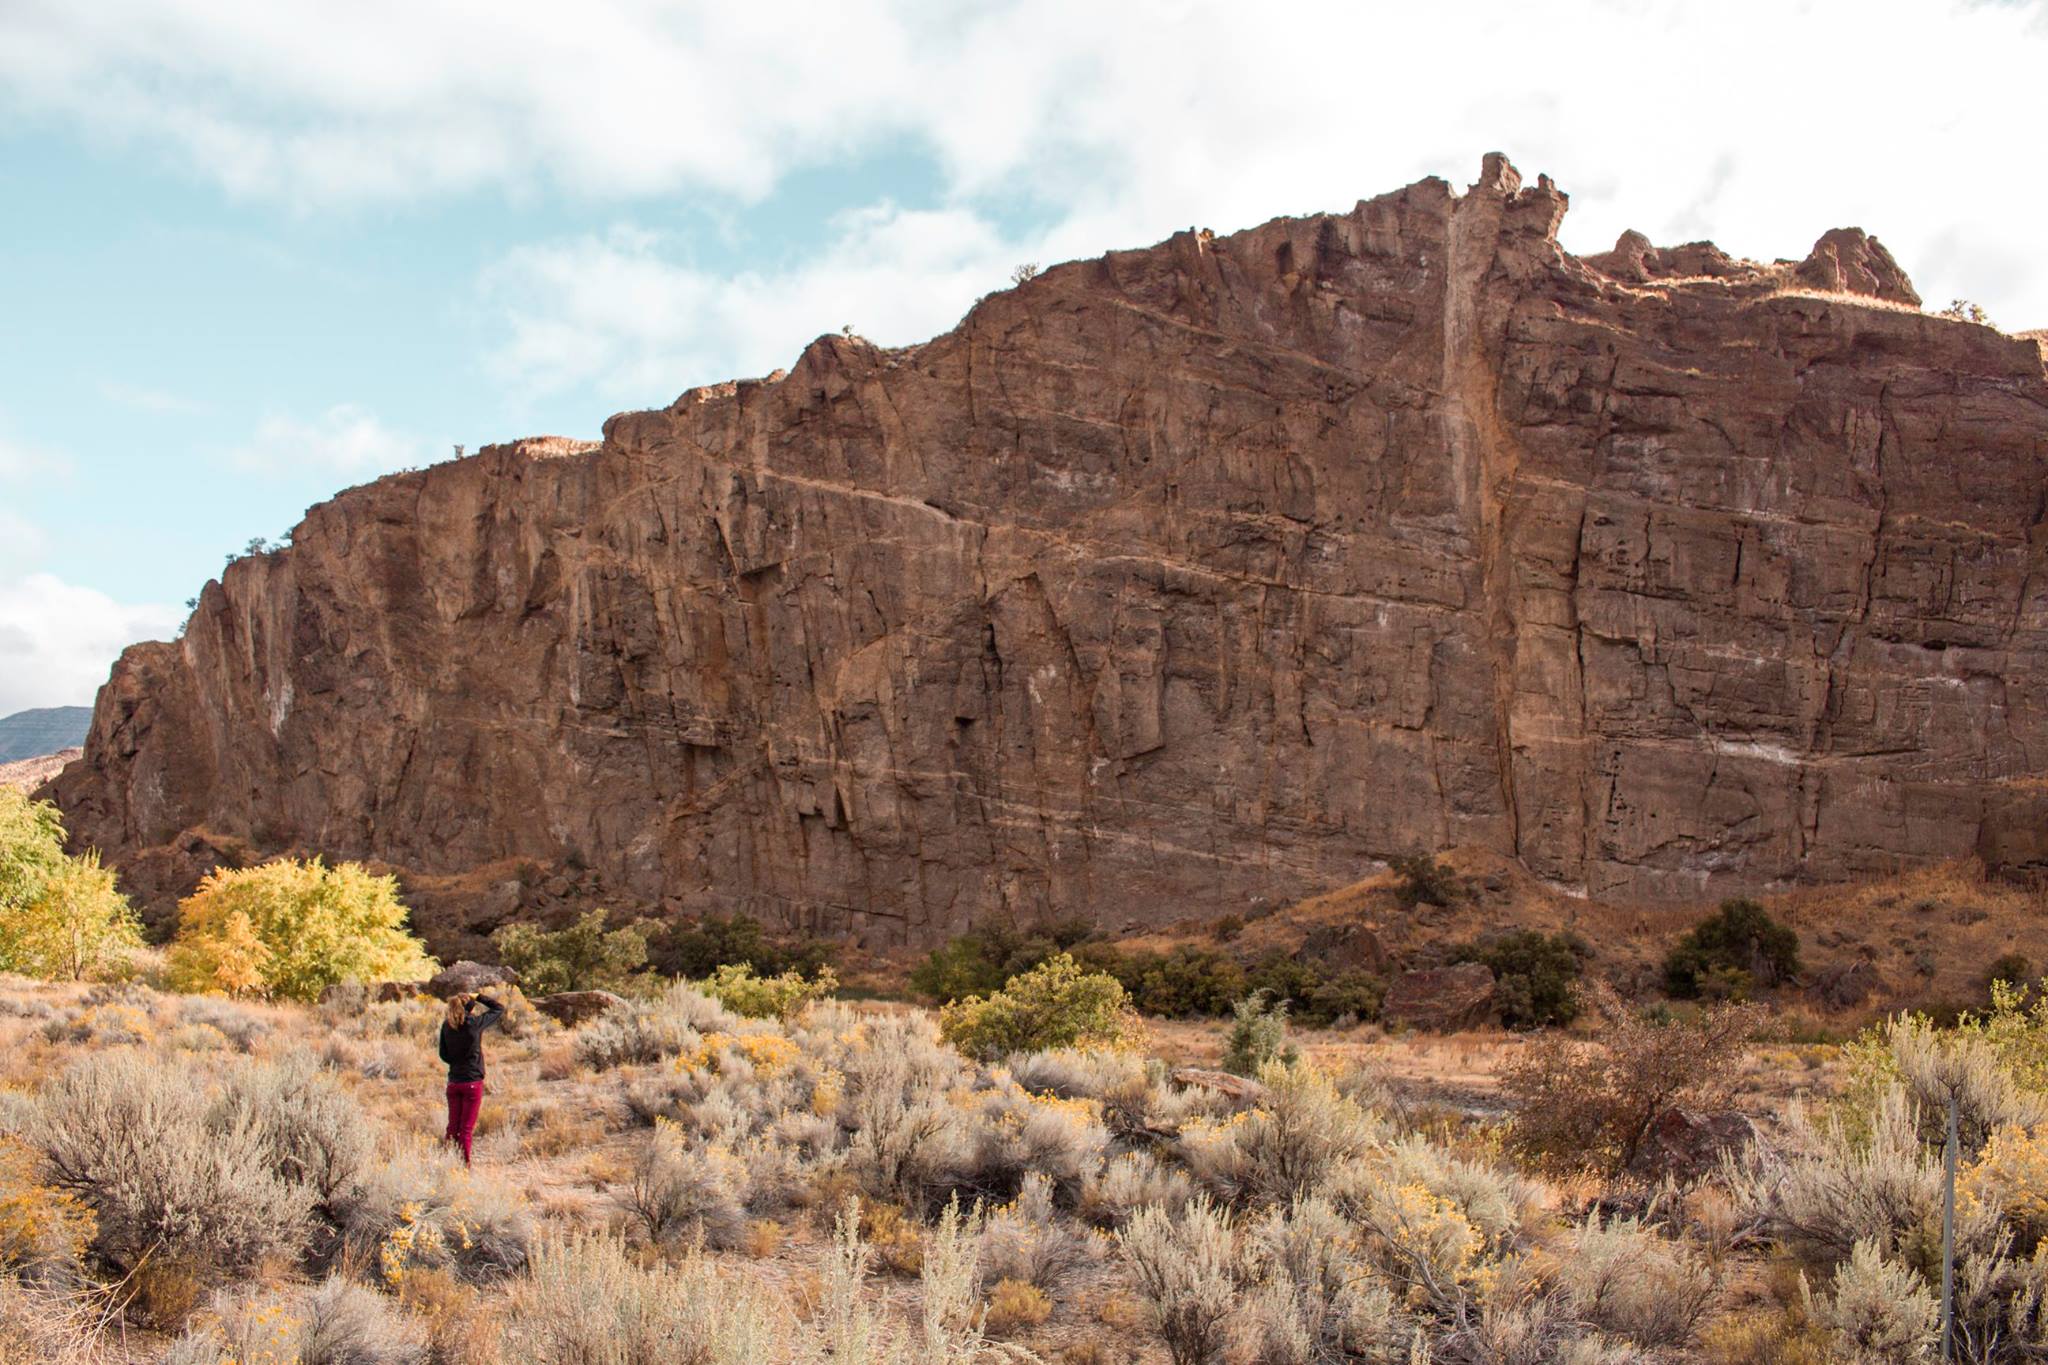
463	1048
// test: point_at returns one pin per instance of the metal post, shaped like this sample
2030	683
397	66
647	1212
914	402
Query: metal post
1948	1236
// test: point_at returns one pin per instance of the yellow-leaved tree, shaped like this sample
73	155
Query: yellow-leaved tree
59	916
290	929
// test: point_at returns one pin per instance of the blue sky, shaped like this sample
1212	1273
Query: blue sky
255	251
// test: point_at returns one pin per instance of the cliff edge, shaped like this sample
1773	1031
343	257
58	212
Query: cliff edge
1168	582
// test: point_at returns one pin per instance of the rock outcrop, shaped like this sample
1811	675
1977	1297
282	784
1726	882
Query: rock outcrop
1172	582
1440	999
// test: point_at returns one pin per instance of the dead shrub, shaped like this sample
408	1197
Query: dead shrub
1583	1104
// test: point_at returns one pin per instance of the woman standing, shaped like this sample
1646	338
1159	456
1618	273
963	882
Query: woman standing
462	1047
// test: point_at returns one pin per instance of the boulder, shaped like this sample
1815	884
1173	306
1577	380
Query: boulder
1440	999
1345	948
468	977
1846	985
1242	1089
576	1007
1686	1145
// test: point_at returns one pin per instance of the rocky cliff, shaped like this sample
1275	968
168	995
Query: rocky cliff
1172	582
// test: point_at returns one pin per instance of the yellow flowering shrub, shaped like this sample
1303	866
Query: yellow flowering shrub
38	1224
1055	1004
2012	1170
770	1054
740	989
290	929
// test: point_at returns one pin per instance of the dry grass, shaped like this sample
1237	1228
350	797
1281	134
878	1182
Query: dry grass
1353	1211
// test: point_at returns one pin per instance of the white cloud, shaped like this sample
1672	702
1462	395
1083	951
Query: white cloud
161	402
617	312
345	439
58	641
21	462
1758	122
314	102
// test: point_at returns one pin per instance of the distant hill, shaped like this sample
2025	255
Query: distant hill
46	730
25	775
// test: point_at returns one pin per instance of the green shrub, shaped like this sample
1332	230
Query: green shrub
1184	982
1353	994
986	960
1313	998
1284	977
694	951
738	988
1258	1036
288	930
582	957
1055	1004
963	967
1741	936
1535	975
1423	881
2013	969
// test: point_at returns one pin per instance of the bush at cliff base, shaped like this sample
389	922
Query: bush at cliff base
59	916
289	929
1055	1004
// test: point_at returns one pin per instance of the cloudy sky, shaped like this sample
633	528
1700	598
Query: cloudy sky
254	251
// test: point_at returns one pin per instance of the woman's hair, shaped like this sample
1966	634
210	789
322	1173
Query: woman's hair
458	1009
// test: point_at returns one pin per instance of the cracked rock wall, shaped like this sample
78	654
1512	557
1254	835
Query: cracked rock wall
1167	583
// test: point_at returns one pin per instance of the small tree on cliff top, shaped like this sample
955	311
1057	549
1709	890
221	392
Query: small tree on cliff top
290	929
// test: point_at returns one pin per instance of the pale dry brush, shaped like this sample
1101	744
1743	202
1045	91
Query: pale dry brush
1026	1240
586	1302
1881	1313
421	1208
1303	1131
1937	1064
165	1167
1622	1277
691	1190
336	1322
1187	1270
1122	1185
1829	1187
1313	1298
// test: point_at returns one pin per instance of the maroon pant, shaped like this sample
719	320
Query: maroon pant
465	1098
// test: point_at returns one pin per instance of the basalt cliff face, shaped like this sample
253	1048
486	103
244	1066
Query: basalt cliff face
1168	583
